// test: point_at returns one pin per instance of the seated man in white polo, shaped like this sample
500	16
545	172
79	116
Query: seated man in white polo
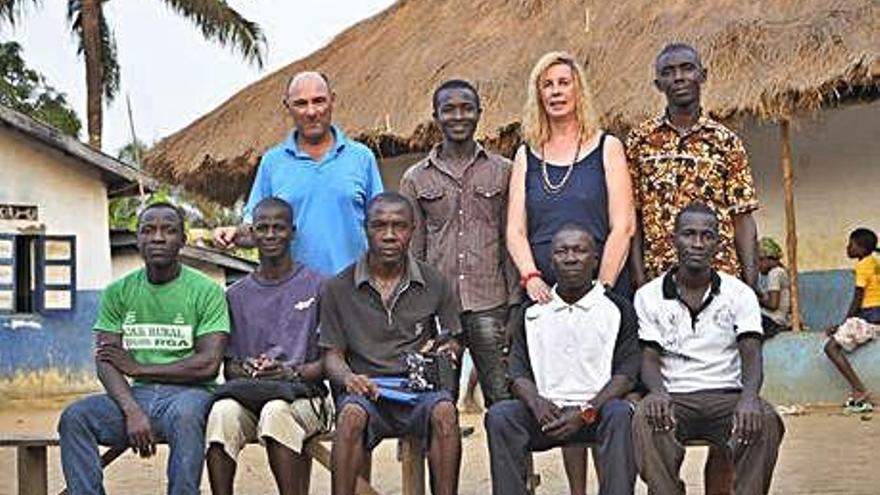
571	363
274	337
701	336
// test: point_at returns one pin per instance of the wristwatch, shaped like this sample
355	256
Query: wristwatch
589	413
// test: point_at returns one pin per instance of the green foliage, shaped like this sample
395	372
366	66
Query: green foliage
133	152
124	211
217	21
221	23
26	91
12	10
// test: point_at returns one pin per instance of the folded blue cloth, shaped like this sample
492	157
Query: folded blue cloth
390	381
393	389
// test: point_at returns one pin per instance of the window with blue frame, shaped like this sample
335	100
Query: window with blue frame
37	273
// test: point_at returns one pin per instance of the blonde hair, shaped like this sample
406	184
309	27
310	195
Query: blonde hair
536	127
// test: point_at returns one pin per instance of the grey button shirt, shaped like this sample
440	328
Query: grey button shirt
375	338
460	226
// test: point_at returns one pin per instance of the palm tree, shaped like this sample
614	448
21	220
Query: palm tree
218	22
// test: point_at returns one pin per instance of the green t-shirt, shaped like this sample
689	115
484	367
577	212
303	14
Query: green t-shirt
160	323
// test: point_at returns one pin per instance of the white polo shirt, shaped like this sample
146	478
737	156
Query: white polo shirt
571	347
698	350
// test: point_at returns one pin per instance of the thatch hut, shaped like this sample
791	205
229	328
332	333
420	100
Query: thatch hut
769	62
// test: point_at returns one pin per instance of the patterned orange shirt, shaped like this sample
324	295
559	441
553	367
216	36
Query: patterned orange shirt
671	168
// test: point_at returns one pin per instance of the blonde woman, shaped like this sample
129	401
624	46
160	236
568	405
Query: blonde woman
568	172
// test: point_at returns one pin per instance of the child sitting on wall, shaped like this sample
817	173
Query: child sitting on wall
775	288
862	322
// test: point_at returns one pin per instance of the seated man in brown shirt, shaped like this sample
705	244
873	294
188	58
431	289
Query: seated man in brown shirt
372	314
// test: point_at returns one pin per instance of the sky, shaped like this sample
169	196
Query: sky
171	74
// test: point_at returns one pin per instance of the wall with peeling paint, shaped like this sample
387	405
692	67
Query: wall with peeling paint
51	353
48	354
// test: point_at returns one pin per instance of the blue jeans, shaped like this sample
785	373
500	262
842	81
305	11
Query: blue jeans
177	416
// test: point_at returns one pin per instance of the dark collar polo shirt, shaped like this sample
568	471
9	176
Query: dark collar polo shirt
374	337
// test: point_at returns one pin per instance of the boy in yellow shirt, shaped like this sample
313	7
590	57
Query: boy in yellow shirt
862	322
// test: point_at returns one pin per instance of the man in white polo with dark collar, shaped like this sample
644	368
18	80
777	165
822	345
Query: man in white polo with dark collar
572	361
701	335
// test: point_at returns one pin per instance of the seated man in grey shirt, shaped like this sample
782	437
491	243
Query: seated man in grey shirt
571	362
372	314
274	314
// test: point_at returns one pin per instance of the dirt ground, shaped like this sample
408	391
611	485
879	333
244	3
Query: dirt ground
824	452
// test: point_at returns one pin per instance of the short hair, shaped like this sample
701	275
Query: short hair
674	47
573	227
393	198
277	202
454	84
695	207
319	73
181	217
865	238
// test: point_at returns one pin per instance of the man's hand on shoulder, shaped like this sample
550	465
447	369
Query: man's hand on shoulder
361	385
119	358
224	237
747	418
230	237
567	424
658	410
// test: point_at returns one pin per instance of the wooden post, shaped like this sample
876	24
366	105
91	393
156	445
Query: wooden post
790	223
32	475
413	466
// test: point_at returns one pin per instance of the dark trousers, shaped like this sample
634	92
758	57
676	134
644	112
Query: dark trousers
484	336
514	432
706	416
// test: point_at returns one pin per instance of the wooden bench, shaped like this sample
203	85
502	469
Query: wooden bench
32	466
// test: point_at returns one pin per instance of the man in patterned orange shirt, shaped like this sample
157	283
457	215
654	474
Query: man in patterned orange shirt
684	156
680	157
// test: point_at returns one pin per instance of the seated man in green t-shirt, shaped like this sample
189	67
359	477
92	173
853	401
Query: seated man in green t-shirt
165	327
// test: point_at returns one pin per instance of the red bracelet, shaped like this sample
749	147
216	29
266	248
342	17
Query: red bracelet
528	276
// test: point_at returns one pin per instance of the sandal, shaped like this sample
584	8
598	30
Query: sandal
856	398
859	407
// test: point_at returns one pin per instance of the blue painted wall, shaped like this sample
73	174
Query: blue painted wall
825	297
796	370
60	342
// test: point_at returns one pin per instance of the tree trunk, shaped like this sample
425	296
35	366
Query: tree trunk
91	35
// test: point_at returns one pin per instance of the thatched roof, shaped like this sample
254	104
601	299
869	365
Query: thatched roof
768	58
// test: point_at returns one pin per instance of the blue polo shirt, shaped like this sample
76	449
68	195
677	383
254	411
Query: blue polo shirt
329	198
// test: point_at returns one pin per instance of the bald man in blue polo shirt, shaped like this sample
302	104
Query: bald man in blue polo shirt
326	177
